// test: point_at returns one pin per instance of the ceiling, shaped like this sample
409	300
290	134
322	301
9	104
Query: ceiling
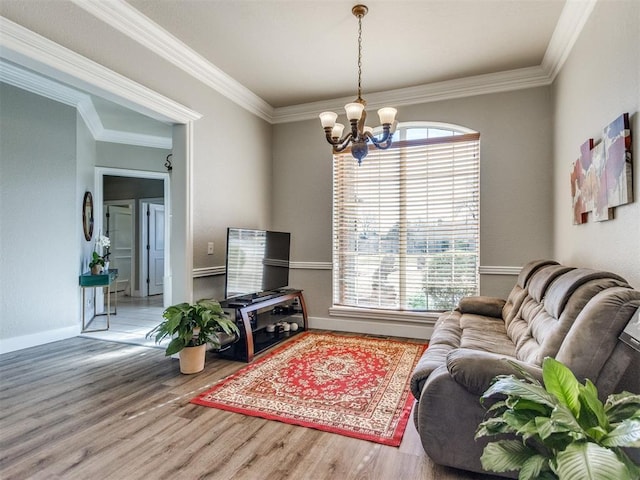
287	60
290	52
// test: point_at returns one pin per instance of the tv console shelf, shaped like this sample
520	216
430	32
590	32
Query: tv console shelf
255	313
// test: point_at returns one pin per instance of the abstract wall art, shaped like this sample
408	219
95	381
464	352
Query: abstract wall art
601	178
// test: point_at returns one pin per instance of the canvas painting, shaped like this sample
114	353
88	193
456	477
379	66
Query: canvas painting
617	145
602	177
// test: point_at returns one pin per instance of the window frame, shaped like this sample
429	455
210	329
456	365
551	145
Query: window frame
403	309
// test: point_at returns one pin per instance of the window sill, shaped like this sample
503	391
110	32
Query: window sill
425	318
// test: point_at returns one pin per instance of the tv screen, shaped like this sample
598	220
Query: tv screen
257	261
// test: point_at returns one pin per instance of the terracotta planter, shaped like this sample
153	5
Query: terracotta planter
192	359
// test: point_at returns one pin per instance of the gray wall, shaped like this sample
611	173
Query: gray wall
40	220
599	81
116	155
231	175
516	195
247	173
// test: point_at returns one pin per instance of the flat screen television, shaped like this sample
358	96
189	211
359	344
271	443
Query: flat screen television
257	261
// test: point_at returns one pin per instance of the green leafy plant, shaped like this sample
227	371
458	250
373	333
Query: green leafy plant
192	325
96	260
565	431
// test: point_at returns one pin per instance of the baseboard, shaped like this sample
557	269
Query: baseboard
392	329
25	341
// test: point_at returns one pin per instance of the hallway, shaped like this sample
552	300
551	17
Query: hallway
135	317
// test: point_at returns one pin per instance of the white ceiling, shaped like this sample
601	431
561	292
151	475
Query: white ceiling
287	60
291	52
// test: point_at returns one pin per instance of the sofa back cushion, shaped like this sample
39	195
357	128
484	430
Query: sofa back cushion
531	306
519	291
556	297
593	337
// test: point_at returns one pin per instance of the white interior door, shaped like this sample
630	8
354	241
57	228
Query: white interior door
155	248
119	226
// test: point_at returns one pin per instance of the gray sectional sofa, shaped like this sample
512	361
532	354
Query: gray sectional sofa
572	314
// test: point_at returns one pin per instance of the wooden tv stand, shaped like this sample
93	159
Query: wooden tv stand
253	313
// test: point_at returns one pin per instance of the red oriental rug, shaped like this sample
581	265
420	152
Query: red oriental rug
354	386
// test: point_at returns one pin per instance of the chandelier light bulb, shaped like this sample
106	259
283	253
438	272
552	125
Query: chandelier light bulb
336	131
387	115
354	110
328	119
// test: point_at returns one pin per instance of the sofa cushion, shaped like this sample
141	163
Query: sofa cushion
445	337
589	345
476	370
481	305
519	291
564	299
485	333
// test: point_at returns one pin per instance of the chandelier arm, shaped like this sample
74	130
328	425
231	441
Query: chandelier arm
340	148
345	139
342	144
386	138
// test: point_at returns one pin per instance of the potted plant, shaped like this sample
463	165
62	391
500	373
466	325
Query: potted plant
564	430
192	327
99	262
96	264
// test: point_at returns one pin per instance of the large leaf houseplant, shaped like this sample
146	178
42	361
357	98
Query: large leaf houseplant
191	326
563	431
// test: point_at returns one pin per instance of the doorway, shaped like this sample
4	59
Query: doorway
125	197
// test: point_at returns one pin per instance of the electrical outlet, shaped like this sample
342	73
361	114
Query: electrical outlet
210	248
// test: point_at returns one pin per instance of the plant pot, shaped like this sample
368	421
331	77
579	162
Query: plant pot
192	359
96	270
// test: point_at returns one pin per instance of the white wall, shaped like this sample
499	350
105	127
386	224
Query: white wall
40	223
599	81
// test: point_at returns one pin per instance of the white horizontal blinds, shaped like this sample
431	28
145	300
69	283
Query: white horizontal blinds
406	225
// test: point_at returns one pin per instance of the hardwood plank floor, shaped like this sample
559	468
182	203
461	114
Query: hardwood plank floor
84	408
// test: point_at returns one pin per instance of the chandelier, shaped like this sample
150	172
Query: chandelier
359	135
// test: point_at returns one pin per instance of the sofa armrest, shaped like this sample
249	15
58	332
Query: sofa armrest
481	305
475	370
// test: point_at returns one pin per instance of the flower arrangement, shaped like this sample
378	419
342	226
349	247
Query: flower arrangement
97	262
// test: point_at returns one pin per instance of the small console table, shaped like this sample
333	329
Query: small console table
88	280
260	318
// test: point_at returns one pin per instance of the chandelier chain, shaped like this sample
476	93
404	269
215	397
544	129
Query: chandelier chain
359	57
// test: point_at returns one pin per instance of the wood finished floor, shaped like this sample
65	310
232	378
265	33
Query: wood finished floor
84	408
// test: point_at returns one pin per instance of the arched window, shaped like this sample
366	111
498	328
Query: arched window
406	221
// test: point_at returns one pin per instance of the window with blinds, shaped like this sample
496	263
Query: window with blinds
406	221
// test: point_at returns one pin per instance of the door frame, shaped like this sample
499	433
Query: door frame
100	172
34	52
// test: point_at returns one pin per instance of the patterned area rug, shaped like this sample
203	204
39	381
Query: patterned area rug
354	386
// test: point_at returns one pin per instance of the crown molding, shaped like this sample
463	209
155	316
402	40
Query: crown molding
572	20
39	85
464	87
123	17
33	51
